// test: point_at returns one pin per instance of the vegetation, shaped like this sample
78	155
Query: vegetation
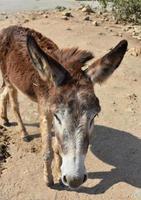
126	10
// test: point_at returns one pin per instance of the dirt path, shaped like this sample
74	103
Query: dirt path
114	157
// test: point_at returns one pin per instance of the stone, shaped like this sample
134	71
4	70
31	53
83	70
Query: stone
26	21
116	22
106	27
41	12
33	18
45	16
67	14
87	18
106	19
81	7
64	18
60	8
115	34
3	13
95	23
101	33
134	33
100	12
137	30
68	29
120	34
135	51
87	9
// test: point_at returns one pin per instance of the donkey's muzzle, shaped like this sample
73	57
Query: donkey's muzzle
74	182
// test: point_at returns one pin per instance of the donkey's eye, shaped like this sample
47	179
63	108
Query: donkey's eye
57	118
91	122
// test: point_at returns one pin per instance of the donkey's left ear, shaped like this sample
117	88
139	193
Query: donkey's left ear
46	65
102	68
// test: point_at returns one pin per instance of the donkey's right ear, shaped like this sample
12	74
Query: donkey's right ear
45	65
102	68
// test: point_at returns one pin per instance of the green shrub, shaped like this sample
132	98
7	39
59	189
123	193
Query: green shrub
127	10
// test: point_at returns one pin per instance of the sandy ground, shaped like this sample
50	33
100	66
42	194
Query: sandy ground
114	158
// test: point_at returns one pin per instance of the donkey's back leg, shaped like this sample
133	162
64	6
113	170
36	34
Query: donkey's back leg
15	106
4	97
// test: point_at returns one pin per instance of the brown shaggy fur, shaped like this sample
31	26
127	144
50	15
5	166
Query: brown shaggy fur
13	45
19	72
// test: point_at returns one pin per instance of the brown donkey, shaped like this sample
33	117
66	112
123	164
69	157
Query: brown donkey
54	78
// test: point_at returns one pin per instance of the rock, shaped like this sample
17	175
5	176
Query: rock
81	7
41	12
101	33
115	34
67	14
26	21
60	8
138	37
105	14
120	34
102	20
136	51
137	29
87	9
135	80
68	29
100	12
106	19
116	22
33	18
87	18
45	16
134	34
106	27
124	29
6	17
95	23
3	13
64	18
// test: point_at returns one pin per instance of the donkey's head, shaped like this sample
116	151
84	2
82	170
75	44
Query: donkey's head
74	105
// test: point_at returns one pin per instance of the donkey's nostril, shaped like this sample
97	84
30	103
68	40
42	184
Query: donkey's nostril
85	178
64	179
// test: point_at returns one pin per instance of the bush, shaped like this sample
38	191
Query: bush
126	10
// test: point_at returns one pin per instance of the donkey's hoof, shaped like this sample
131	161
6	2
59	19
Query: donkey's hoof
50	184
7	123
26	138
49	181
61	183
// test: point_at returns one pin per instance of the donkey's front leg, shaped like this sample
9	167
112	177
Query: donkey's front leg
15	105
57	159
46	125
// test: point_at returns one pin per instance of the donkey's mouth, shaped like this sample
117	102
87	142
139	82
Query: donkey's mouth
73	182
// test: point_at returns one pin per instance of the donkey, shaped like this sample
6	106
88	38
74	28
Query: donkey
54	79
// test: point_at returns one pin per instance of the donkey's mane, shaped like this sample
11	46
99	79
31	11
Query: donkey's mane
15	36
73	58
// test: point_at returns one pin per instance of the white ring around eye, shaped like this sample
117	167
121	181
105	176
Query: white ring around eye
92	119
57	118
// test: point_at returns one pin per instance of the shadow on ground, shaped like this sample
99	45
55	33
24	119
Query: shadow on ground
120	149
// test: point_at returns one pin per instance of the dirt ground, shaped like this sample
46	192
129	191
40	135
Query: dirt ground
114	158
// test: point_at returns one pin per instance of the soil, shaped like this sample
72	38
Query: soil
114	158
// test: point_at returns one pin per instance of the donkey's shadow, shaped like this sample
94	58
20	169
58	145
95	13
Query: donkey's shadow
119	149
